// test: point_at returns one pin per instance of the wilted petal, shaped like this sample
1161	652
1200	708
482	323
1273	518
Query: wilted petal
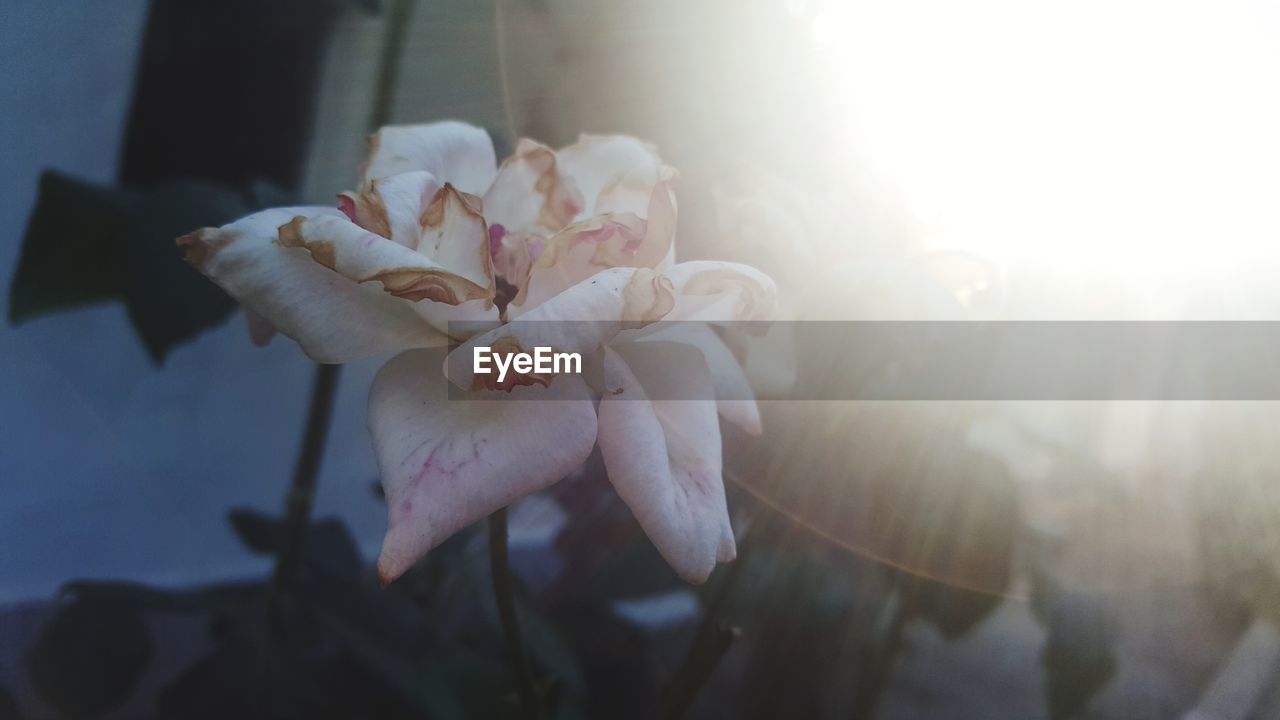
392	206
578	320
599	164
446	463
454	235
452	151
606	241
531	193
333	319
663	458
363	256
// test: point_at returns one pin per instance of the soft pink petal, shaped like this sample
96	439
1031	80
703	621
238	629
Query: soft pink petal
606	241
531	194
735	400
446	462
452	151
601	164
333	319
713	291
663	458
580	320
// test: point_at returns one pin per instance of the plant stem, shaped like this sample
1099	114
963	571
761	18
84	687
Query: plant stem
713	638
302	490
504	595
399	18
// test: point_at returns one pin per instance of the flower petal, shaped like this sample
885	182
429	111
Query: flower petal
580	320
589	246
454	235
734	397
531	193
363	256
663	458
600	164
452	151
392	206
446	463
332	318
713	291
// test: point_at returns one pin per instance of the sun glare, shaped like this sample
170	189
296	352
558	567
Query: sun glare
1117	134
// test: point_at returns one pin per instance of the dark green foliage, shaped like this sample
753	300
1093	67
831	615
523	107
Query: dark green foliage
90	655
87	243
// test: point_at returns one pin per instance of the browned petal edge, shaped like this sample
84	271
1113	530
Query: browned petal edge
409	283
200	245
561	198
437	285
370	209
434	216
323	252
647	298
756	302
508	345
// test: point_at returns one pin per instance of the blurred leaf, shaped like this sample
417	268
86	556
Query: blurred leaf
330	546
87	243
228	597
69	253
89	656
1079	655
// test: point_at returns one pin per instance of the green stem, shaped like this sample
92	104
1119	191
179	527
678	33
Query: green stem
504	595
302	490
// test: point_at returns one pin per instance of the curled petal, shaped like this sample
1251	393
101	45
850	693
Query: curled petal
663	457
531	193
362	256
452	151
578	320
392	206
333	319
589	246
447	462
714	291
454	235
600	164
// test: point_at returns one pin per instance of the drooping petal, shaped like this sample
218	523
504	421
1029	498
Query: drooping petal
446	462
531	193
452	151
392	206
601	163
363	256
333	319
589	246
735	400
578	320
663	458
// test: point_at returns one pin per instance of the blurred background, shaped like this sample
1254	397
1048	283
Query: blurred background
986	159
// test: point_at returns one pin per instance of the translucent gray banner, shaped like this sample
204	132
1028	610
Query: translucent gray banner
1032	360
